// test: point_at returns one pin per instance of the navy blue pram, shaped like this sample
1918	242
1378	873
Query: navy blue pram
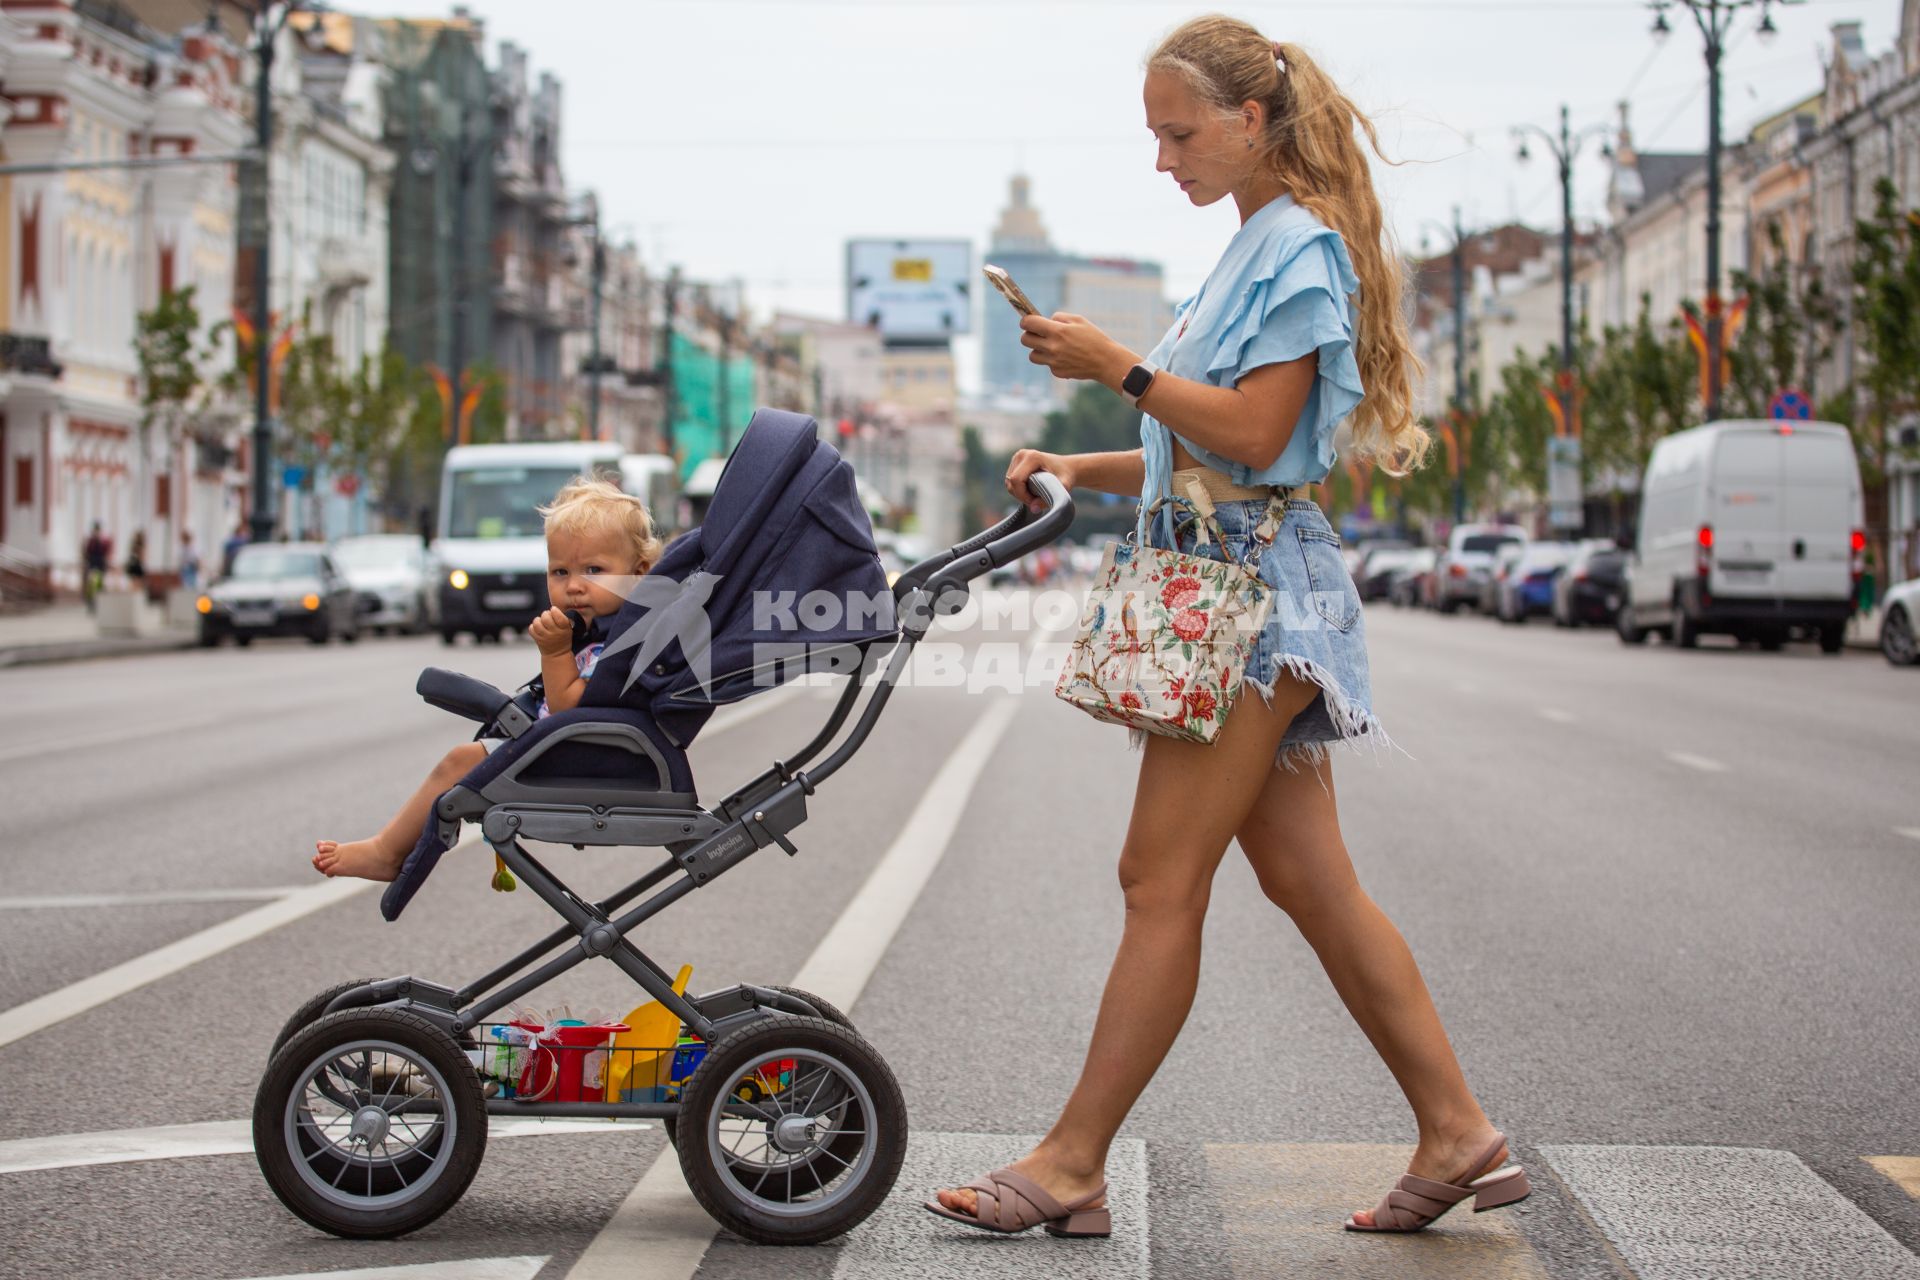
371	1118
785	523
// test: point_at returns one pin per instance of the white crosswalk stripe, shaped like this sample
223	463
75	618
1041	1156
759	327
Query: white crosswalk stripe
1727	1213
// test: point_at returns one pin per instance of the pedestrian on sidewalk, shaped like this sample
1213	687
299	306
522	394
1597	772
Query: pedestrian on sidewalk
1297	328
94	557
189	561
137	561
231	548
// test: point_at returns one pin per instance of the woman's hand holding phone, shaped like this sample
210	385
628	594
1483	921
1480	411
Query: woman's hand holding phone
1074	347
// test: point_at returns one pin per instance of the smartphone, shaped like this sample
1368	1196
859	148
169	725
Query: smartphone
1009	290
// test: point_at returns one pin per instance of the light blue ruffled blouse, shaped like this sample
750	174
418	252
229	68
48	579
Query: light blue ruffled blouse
1283	288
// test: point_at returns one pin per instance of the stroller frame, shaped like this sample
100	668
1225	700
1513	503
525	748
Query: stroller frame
702	844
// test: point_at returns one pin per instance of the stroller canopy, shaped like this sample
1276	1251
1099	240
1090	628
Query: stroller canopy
783	566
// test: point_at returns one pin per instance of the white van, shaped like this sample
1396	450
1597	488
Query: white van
1753	528
491	553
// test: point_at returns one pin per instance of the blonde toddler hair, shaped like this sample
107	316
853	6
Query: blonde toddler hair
1310	145
593	505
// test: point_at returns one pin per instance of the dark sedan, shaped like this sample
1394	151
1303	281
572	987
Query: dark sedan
280	589
1589	589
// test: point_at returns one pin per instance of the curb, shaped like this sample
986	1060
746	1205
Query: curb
27	655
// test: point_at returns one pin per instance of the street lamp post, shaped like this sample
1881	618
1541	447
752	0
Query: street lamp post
1458	239
1715	19
1565	150
260	520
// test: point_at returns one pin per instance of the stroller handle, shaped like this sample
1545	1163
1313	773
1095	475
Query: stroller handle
1022	531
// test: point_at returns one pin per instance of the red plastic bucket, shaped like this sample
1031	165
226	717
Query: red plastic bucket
567	1064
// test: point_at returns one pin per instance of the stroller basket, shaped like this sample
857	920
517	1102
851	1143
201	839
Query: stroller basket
371	1119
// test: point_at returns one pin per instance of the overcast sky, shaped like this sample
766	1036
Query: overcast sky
750	139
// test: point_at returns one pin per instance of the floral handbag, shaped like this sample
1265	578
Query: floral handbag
1165	635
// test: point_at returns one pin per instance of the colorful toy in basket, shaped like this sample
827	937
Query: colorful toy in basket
654	1057
634	1073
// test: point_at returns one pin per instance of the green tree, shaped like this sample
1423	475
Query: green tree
1094	421
1642	383
1517	424
1787	334
1886	275
164	342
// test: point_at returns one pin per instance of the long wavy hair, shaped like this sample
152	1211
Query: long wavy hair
1310	145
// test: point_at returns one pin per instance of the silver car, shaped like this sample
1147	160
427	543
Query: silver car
392	573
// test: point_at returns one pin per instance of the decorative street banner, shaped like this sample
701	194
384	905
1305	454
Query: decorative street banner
1563	482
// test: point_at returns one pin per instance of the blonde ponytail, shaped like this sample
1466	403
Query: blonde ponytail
1310	143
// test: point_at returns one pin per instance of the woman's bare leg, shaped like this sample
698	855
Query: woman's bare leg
1292	839
379	858
1189	802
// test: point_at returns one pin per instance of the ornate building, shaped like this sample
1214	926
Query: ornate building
85	246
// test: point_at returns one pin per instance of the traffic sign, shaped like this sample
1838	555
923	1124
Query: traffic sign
1790	402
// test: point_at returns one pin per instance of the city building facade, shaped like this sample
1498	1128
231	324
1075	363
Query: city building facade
88	247
1125	297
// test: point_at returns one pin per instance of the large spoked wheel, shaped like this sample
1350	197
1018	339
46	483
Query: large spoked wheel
748	1088
370	1123
817	1148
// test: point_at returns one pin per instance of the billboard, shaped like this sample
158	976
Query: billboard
911	290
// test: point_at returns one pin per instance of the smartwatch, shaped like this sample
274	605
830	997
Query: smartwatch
1135	384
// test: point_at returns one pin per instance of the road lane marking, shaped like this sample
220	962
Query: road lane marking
162	898
1676	1212
1911	833
1703	763
659	1232
839	967
522	1268
110	984
1282	1204
220	1138
1904	1171
1557	715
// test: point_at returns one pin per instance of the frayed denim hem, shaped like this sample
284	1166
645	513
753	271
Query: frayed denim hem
1352	724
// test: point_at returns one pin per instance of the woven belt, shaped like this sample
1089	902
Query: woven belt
1221	488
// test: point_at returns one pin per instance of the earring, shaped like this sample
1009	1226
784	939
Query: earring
1249	144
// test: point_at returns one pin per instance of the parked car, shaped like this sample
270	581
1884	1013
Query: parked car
394	576
1752	528
1899	624
1528	585
1409	582
1503	561
1467	563
1588	591
1376	571
280	589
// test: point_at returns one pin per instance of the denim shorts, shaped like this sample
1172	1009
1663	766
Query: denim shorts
1315	632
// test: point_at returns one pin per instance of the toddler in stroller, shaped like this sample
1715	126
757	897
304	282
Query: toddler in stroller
371	1119
600	541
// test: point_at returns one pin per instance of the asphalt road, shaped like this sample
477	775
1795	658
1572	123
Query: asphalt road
1665	900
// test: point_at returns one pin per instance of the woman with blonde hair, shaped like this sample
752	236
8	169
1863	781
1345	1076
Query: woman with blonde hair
1298	328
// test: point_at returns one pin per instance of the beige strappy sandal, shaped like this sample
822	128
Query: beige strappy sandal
1008	1203
1414	1203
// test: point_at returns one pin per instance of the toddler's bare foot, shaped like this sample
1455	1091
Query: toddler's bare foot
359	858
